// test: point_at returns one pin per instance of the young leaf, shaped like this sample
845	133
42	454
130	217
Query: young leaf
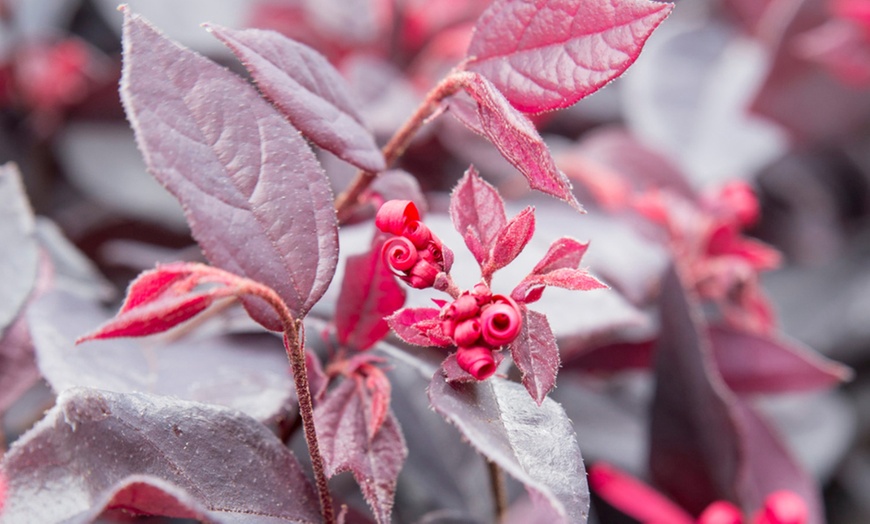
89	445
573	279
477	212
503	424
753	363
374	461
419	326
536	355
510	240
562	253
515	136
585	44
369	292
308	90
257	201
19	263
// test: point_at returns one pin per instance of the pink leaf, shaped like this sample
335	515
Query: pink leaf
511	240
478	214
536	355
419	326
563	253
256	198
754	363
369	292
634	498
342	430
584	44
308	90
514	135
573	279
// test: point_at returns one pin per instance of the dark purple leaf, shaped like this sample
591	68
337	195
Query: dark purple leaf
257	201
506	426
536	355
515	136
369	293
249	373
87	447
18	266
420	326
752	363
308	90
478	214
511	240
769	466
584	44
342	430
696	453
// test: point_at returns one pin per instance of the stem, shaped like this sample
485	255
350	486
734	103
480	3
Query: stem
400	141
499	491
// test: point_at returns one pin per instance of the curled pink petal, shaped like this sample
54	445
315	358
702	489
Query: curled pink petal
394	215
783	507
399	254
501	321
467	332
462	308
418	233
721	512
422	275
477	360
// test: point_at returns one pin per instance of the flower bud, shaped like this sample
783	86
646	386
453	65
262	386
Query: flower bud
501	321
467	332
721	512
418	233
394	215
783	507
482	293
422	275
399	254
477	360
462	308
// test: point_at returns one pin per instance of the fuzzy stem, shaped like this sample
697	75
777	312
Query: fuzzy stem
400	141
499	490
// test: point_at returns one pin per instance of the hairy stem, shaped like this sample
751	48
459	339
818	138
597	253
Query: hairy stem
499	490
346	201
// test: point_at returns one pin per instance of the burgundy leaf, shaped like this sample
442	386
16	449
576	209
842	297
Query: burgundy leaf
369	293
536	355
245	372
753	363
770	467
696	453
478	214
375	462
87	447
419	326
500	420
257	201
308	90
511	240
573	279
585	44
18	266
515	136
563	253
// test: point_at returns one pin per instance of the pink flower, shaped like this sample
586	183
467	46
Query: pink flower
414	254
477	360
399	254
501	321
394	215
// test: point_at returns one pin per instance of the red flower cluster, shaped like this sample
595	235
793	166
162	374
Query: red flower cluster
480	323
414	254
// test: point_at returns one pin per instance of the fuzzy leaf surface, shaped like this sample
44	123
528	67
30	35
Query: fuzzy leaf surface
308	90
374	461
419	326
753	363
249	373
512	239
477	212
536	355
92	441
585	45
515	137
369	293
257	200
18	266
534	444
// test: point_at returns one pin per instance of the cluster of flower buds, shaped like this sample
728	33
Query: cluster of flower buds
414	254
480	323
